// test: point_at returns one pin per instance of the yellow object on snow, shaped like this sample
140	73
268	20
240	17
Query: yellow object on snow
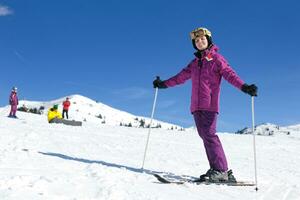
53	113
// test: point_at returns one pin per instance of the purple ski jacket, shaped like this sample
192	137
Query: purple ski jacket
13	98
206	77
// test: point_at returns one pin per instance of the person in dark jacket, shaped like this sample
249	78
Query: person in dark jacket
206	71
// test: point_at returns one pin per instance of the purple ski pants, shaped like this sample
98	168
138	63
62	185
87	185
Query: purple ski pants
13	110
206	127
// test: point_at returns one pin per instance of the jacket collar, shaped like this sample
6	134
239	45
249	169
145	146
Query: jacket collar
207	52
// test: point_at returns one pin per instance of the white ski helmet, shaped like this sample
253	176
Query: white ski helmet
14	89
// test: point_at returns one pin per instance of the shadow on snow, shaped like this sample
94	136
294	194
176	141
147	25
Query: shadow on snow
136	170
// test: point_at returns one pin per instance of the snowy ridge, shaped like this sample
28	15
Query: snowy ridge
46	161
269	129
88	110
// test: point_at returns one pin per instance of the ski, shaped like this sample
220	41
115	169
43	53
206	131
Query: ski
164	180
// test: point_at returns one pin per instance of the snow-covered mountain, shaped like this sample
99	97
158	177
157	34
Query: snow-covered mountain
269	129
42	161
88	110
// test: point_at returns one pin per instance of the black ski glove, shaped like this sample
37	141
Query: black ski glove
157	83
250	89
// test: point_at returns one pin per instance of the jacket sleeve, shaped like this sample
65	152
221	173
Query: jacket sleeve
50	115
10	99
59	115
228	73
179	78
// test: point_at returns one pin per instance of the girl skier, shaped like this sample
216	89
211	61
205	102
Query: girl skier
206	71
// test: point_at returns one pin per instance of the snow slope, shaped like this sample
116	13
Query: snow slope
87	110
99	161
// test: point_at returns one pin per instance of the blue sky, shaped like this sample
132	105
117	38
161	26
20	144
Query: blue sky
111	51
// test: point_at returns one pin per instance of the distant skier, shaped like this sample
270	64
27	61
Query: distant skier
206	71
66	105
13	101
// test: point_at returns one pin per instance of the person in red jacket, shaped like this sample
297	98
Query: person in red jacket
66	105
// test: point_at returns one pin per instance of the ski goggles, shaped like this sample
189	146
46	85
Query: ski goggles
199	32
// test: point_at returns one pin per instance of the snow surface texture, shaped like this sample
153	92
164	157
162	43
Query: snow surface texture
41	161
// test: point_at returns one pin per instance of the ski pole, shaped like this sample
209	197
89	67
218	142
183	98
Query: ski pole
152	114
254	145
